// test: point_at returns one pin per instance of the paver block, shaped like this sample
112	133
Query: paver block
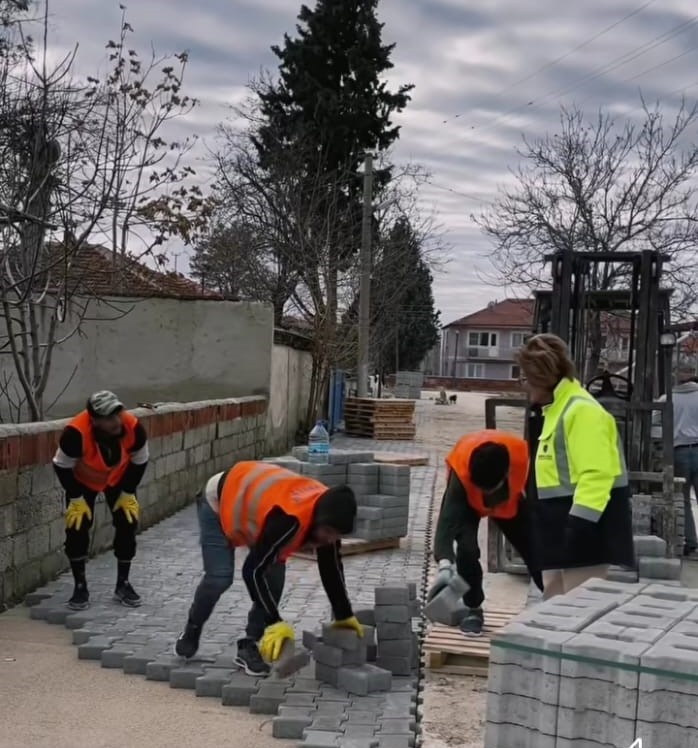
310	639
239	691
114	656
315	739
650	567
396	648
650	545
393	631
92	649
160	668
392	596
447	608
185	676
341	638
290	727
211	683
359	732
397	726
396	665
393	613
328	722
366	616
137	662
326	674
367	742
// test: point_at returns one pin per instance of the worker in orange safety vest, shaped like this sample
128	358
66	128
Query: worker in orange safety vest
274	513
487	476
104	449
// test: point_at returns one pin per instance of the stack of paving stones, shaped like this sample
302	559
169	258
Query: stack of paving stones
646	516
599	667
382	491
397	644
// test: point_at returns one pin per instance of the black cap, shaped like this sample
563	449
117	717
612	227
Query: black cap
489	467
336	508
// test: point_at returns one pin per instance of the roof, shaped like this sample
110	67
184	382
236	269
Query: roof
499	315
96	271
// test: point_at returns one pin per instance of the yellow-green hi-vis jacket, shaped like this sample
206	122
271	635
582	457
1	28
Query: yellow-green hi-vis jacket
583	508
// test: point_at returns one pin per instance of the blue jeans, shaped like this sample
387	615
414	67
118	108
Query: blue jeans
219	568
686	466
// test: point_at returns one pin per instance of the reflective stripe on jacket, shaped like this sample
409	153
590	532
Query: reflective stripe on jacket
579	452
519	464
90	469
580	471
252	489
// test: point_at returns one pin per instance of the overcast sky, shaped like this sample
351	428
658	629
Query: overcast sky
484	73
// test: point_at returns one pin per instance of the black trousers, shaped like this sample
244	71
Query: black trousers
77	542
459	522
219	569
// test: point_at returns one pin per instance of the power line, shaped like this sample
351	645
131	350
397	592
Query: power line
564	56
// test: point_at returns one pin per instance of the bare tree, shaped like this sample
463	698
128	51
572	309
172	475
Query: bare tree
80	161
601	186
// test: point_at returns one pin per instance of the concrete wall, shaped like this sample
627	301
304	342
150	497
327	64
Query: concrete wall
159	350
188	443
290	389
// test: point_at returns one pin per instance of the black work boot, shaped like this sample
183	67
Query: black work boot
81	597
249	659
473	622
126	595
188	643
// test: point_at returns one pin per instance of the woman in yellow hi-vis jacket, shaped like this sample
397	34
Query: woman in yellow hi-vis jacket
583	515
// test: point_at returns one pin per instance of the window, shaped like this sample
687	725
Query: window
515	372
624	343
517	340
482	339
475	371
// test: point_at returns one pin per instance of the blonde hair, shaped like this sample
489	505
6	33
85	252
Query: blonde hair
545	360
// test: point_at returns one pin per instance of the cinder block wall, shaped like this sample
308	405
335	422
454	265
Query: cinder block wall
188	443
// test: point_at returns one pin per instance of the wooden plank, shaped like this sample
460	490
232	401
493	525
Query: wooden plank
395	458
354	546
449	651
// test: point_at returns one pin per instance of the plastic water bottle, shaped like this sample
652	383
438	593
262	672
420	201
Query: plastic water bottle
319	445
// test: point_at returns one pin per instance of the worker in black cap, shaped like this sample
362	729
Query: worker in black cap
274	513
487	477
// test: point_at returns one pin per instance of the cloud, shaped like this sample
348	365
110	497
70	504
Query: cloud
483	77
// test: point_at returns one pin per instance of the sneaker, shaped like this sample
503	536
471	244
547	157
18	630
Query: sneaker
188	643
81	597
473	622
249	659
126	595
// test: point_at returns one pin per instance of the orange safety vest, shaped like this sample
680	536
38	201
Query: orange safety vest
519	464
90	469
252	489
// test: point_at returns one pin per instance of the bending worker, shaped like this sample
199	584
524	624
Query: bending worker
488	472
273	512
583	515
104	449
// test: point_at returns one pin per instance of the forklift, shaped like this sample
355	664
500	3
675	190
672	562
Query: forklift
576	312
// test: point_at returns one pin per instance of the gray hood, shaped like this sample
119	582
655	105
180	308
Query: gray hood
685	388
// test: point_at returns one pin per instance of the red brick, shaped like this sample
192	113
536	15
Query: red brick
28	449
9	453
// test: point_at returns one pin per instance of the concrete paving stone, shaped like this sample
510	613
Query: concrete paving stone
598	727
384	501
211	683
92	649
185	676
662	591
303	685
446	607
160	668
393	613
650	545
310	639
362	716
397	726
327	723
355	732
606	587
396	514
331	708
396	665
554	616
82	636
341	638
34	598
332	693
326	674
300	699
362	470
402	702
668	582
395	472
369	513
359	742
393	631
650	567
290	727
239	691
396	741
664	733
137	662
395	648
327	655
622	575
315	739
114	656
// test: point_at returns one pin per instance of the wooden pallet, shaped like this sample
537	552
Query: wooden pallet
352	546
450	652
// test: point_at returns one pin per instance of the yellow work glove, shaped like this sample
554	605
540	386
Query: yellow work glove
75	512
273	640
129	505
349	623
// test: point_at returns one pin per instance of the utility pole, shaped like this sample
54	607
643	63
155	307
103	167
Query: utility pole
365	286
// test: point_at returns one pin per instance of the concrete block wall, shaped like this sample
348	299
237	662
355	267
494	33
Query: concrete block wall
597	668
188	443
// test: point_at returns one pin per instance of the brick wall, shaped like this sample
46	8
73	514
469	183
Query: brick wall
472	385
188	443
